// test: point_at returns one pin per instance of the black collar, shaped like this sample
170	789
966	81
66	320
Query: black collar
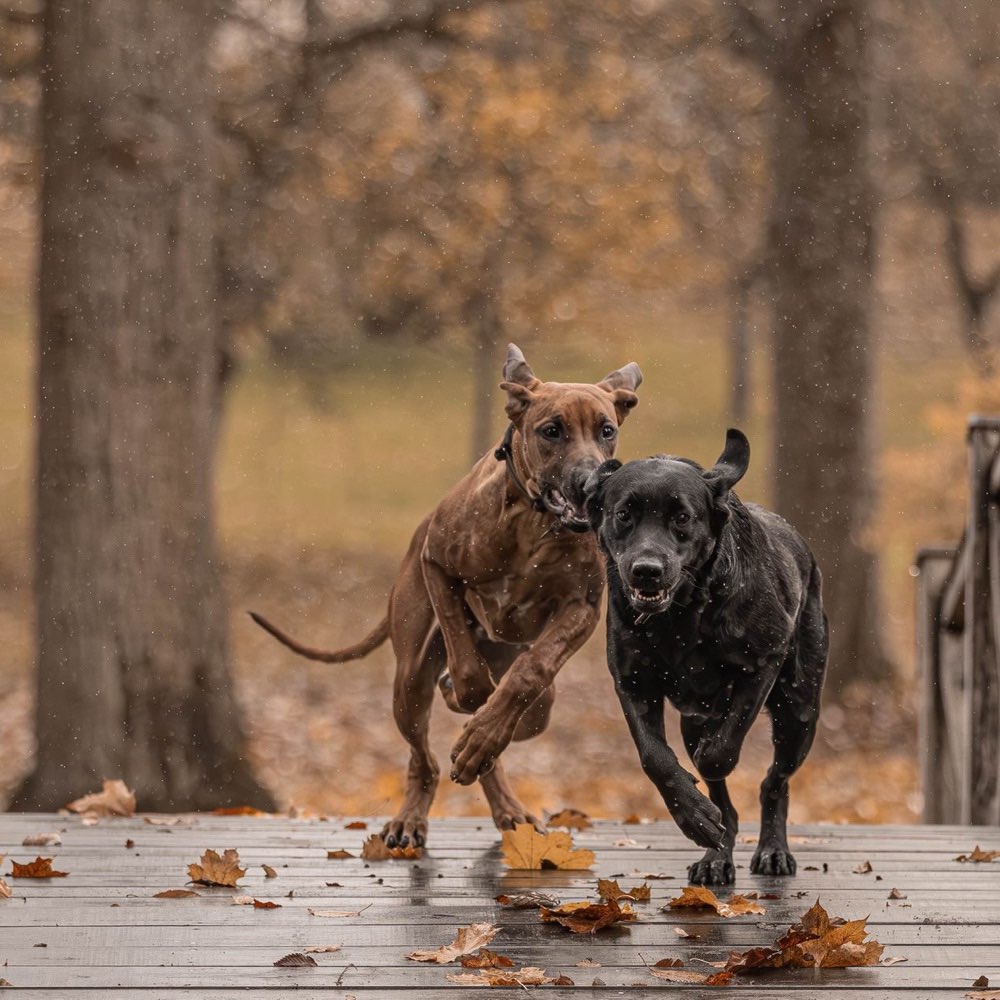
505	453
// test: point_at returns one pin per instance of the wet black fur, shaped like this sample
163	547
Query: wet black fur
742	628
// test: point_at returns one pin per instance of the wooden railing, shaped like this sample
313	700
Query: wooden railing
958	621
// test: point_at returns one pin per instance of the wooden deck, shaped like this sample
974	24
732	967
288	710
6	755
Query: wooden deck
99	933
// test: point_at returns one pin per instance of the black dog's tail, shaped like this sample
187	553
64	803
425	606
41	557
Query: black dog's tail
374	639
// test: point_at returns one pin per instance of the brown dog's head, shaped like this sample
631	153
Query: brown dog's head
566	431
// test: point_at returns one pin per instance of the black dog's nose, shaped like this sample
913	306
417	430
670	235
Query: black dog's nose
647	572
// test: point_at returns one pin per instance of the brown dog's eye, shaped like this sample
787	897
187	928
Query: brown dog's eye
551	432
608	431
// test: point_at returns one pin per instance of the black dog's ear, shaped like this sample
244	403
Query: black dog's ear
732	463
594	486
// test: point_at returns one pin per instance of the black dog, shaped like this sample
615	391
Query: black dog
716	605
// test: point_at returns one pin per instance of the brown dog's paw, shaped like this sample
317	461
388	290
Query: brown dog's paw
475	753
403	831
772	861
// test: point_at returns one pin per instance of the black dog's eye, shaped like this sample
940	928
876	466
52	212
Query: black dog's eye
608	431
681	518
624	516
551	432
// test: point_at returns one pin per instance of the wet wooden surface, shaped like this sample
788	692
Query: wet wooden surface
100	933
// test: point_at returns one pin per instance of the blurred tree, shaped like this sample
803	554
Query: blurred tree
820	278
132	659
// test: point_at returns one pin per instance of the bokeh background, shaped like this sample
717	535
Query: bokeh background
402	189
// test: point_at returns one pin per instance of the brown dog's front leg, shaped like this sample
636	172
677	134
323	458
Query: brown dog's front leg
470	674
487	734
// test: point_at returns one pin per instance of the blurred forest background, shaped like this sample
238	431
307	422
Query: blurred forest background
786	214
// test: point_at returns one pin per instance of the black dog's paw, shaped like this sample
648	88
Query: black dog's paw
772	861
713	869
700	821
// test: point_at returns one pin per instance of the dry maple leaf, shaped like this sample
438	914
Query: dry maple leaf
238	811
358	824
269	872
338	855
114	799
588	918
981	983
5	891
979	855
632	820
863	869
323	948
525	848
527	900
467	940
610	889
816	942
572	819
39	868
486	959
679	975
896	894
588	964
175	894
668	963
42	840
296	960
213	870
374	849
527	976
980	994
701	897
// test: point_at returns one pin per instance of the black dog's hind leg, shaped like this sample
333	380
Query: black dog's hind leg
716	867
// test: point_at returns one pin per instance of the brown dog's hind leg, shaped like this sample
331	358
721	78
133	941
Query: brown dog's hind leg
505	807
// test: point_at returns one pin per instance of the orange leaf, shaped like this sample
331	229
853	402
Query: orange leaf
238	811
338	854
572	819
701	897
358	824
175	894
486	959
525	848
588	918
608	889
266	905
374	849
269	872
5	891
39	868
114	799
213	870
527	976
979	855
467	940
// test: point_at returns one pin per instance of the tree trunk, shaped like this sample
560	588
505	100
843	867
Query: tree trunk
821	253
132	650
486	330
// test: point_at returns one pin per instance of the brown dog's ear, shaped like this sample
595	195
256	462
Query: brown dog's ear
518	399
622	385
516	369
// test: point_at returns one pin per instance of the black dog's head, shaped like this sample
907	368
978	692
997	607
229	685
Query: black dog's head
659	519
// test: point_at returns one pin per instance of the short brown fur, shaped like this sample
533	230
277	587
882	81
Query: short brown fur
493	596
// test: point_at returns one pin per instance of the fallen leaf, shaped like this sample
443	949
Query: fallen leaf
982	982
337	913
168	820
633	820
114	799
896	894
979	855
816	942
269	872
588	918
266	904
719	979
700	897
679	975
39	868
893	960
213	870
527	976
525	848
681	933
863	869
129	844
296	960
972	994
486	959
175	894
5	982
609	889
374	849
358	824
668	963
467	940
572	819
338	855
323	948
588	964
527	900
42	840
624	842
5	891
652	876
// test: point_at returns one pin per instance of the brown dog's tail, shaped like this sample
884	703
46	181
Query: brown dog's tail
375	638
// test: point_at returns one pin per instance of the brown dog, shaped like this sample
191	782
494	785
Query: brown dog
494	595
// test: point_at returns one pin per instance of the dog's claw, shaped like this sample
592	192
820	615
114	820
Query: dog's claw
716	868
773	861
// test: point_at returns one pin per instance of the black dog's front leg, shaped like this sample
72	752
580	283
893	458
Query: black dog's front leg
696	816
